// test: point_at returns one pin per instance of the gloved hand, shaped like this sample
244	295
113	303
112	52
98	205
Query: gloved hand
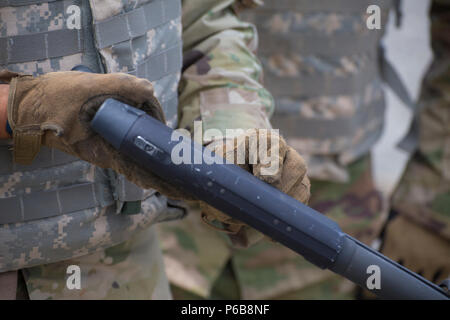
55	110
290	177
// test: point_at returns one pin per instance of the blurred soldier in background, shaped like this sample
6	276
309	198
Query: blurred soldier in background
60	211
325	69
418	232
322	64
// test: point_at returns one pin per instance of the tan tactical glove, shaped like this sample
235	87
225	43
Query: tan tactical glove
418	249
290	177
55	110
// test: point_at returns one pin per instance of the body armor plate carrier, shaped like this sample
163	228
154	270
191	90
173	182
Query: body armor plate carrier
61	207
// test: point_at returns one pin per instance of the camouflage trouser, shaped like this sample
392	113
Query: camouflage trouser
201	263
131	270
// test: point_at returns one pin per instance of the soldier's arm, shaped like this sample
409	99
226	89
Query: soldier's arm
221	86
221	82
4	90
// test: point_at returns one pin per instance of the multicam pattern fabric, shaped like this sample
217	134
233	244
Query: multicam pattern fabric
221	84
194	254
423	194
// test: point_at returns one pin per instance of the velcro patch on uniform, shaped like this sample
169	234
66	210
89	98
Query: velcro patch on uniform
26	146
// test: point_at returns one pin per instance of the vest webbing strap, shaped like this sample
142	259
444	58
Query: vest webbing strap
18	3
305	6
315	85
135	23
46	158
39	205
390	76
128	191
311	44
316	128
157	66
39	46
171	105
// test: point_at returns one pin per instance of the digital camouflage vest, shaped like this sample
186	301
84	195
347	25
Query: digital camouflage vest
322	66
60	207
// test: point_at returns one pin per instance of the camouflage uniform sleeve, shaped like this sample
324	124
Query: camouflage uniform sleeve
221	80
